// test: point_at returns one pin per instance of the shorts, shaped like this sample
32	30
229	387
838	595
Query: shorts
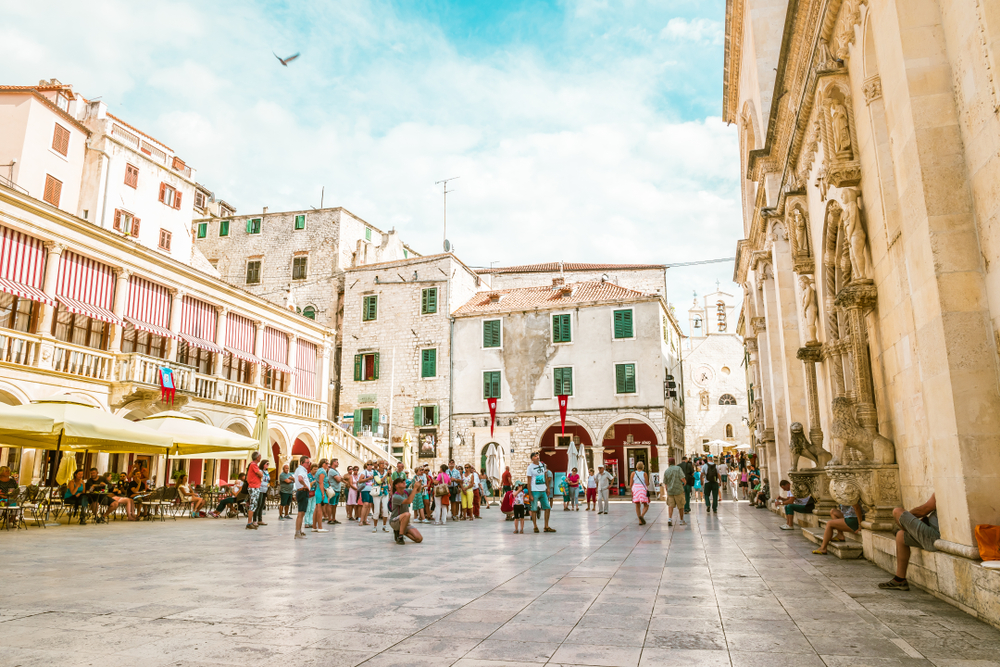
743	484
380	506
395	521
540	501
518	512
591	494
286	499
366	498
917	533
676	501
456	495
302	500
852	522
801	509
321	496
508	488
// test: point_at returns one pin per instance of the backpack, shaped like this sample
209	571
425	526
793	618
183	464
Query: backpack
712	474
507	504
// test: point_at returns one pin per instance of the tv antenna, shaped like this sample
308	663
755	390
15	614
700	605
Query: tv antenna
444	191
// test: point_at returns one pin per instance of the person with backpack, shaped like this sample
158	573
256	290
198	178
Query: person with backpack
710	481
517	504
688	469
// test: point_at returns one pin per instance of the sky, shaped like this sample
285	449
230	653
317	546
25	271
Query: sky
584	131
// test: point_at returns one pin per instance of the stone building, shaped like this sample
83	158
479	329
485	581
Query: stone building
610	349
714	387
869	138
645	278
396	376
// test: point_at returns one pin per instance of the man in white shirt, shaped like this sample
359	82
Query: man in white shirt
604	479
301	494
592	490
538	482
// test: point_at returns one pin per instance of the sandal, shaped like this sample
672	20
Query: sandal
819	552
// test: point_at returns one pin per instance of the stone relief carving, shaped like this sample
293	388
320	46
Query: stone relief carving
810	310
801	447
801	231
841	131
849	436
860	255
849	17
872	89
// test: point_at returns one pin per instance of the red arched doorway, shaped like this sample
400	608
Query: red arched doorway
300	448
627	442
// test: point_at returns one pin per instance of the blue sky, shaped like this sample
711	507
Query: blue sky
582	131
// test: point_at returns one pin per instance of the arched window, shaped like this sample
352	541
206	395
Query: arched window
697	322
310	312
727	399
729	430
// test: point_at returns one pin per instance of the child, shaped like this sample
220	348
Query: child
518	508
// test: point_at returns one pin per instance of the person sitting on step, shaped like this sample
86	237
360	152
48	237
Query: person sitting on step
843	520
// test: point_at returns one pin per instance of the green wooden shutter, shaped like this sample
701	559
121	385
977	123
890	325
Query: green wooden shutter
249	226
560	329
433	296
563	381
557	381
429	304
224	228
623	324
418	416
358	360
357	422
376	367
620	378
428	363
372	307
491	333
630	378
423	302
486	385
494	384
435	415
375	422
625	378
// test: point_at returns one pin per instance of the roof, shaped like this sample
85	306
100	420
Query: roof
549	297
35	90
416	259
135	129
551	267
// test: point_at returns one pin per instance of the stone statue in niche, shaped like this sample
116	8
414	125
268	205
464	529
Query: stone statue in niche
857	241
704	400
801	447
849	435
801	234
810	310
840	129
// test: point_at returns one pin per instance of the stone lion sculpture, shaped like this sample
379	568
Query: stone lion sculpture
850	435
802	447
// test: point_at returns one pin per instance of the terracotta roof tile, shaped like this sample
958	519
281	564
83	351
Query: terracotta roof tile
549	296
550	267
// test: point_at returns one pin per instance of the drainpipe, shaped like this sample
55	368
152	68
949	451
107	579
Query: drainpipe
451	373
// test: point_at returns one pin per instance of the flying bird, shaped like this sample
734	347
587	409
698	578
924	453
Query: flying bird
285	61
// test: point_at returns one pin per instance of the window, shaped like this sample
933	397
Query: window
428	363
727	399
491	384
199	199
369	310
253	272
562	381
126	223
60	140
367	420
165	238
237	370
310	312
425	415
17	314
62	102
492	333
79	329
275	380
406	253
429	301
144	342
170	196
299	268
624	378
224	228
131	176
253	225
561	329
729	430
368	233
53	190
202	360
720	310
300	221
366	367
202	230
623	324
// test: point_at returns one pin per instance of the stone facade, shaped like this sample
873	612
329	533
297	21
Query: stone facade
714	387
870	260
645	278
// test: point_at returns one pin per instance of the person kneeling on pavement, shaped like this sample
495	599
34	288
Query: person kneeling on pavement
792	504
399	507
919	529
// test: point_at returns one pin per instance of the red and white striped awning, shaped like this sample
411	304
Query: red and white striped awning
305	369
86	287
22	266
199	321
240	333
276	350
148	307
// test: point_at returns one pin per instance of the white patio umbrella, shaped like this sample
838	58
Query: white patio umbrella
260	431
195	438
571	455
492	464
584	468
742	447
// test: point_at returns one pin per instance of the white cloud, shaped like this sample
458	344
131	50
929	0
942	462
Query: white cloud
697	30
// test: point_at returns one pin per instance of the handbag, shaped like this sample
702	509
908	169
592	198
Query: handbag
440	490
330	493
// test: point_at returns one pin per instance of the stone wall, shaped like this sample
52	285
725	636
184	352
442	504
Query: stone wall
712	368
647	281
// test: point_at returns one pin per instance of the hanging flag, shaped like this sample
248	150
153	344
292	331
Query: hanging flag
493	413
167	389
563	403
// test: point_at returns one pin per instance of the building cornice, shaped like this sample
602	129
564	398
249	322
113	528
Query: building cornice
732	59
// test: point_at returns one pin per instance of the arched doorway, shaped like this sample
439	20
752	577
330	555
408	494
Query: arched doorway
627	442
300	448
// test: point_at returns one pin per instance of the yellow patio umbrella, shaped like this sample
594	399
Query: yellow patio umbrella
262	443
21	419
193	438
67	468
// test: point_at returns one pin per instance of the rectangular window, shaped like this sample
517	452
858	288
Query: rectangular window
366	367
491	333
425	415
142	342
560	329
275	380
199	199
202	230
224	228
428	363
300	221
126	223
429	301
237	370
624	378
167	194
369	310
562	381
165	238
131	176
253	272
299	268
62	102
53	190
253	225
491	384
202	360
60	140
623	324
16	313
79	330
368	233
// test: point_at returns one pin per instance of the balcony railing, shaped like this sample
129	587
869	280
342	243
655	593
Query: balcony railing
308	409
82	361
277	402
241	394
18	348
206	386
135	367
361	451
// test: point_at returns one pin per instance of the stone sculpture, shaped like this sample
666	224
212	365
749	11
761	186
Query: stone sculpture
801	447
857	242
801	235
849	435
810	309
840	128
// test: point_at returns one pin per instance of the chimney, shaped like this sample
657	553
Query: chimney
494	297
558	281
565	290
265	211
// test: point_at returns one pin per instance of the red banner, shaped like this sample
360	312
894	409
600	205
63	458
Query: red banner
493	413
563	404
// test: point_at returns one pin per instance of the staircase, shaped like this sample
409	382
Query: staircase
848	550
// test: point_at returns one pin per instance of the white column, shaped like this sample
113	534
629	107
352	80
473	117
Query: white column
176	304
258	350
53	253
324	381
121	293
291	376
220	337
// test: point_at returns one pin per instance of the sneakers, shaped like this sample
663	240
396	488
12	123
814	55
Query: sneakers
300	536
786	527
682	523
670	522
375	529
384	529
320	530
400	540
893	585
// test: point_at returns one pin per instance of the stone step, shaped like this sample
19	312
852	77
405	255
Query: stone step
842	550
851	537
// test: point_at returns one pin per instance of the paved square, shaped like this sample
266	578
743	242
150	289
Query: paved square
726	590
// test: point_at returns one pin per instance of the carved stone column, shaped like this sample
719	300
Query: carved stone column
810	356
46	351
876	486
220	337
176	307
856	298
121	293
